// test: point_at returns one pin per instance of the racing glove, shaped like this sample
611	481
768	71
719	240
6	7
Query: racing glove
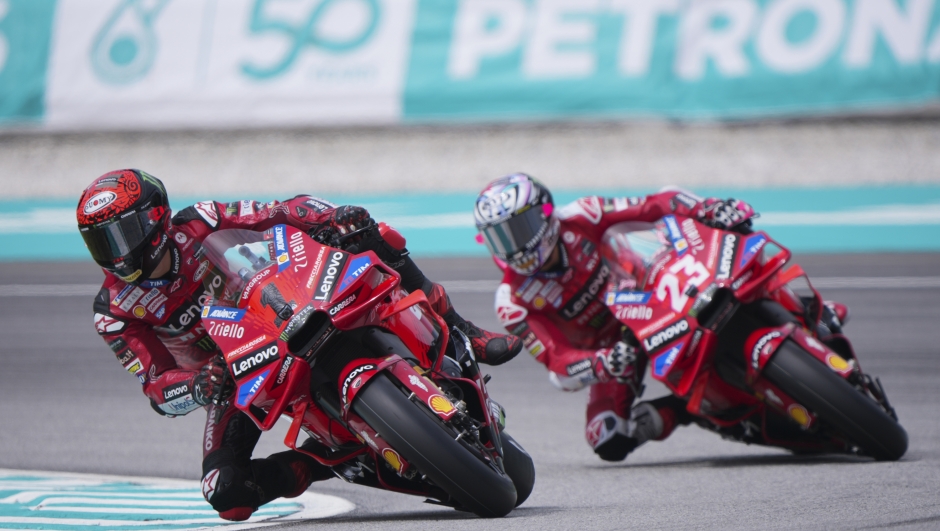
349	218
726	214
616	363
210	383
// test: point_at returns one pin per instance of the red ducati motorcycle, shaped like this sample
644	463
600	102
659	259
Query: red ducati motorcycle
388	395
728	327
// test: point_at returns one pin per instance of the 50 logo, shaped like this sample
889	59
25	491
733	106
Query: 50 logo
334	26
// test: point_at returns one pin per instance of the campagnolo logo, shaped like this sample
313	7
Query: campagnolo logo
255	360
726	257
759	346
666	335
98	202
352	376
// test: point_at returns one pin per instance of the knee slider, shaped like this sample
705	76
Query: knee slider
229	487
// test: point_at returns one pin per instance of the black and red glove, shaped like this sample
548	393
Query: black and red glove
210	383
616	363
726	214
349	218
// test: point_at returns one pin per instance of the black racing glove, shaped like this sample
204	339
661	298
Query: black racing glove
721	214
616	363
349	218
211	382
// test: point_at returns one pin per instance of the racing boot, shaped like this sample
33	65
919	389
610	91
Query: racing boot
613	437
488	347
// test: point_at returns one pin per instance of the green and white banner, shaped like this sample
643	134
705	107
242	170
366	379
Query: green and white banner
145	64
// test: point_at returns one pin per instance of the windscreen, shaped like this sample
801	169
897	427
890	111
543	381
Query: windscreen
631	249
239	254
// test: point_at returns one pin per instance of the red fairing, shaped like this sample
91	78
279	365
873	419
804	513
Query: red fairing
561	317
154	329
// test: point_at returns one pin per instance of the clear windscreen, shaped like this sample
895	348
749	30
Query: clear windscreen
239	254
631	249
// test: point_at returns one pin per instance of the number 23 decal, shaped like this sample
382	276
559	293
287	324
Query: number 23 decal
669	283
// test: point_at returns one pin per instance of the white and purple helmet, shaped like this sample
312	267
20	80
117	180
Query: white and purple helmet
514	216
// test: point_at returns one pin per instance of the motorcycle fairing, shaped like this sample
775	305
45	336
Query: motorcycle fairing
763	343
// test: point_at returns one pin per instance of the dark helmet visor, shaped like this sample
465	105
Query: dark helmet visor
118	238
516	234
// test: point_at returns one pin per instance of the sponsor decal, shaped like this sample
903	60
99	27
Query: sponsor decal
201	271
736	285
811	341
591	208
440	404
117	345
207	210
120	296
246	207
327	279
837	363
131	299
393	459
298	251
105	324
628	297
692	234
568	237
248	390
233	331
752	246
301	211
726	257
156	303
140	312
319	205
578	367
529	288
415	381
296	322
175	391
552	292
799	414
135	367
532	343
664	361
180	238
760	345
156	252
356	268
280	247
686	200
508	312
364	436
223	312
253	283
577	303
159	313
180	406
679	243
772	396
98	202
124	358
285	369
666	335
637	313
596	430
316	267
154	283
247	346
255	360
353	374
342	305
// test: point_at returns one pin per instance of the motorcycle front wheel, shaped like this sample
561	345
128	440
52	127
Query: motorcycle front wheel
426	443
835	401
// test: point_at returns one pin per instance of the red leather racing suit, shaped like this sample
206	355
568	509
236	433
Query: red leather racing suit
560	315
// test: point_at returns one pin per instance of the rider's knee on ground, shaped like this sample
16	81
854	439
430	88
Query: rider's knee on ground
228	484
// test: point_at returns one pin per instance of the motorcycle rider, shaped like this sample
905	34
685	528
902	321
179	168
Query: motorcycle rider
551	297
148	311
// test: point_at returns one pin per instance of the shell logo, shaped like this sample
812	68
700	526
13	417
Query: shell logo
837	363
440	404
799	414
139	312
393	459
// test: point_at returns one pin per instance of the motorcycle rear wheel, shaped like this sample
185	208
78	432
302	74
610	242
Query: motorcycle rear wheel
426	444
837	402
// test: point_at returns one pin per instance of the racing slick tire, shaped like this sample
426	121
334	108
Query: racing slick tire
519	466
425	443
837	402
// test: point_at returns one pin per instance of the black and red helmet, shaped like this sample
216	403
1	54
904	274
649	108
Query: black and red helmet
122	216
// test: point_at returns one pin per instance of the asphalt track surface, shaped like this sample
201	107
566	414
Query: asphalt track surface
66	405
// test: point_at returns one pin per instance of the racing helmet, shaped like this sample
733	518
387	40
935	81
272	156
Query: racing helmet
123	217
514	216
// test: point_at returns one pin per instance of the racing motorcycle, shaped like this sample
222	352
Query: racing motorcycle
729	325
388	396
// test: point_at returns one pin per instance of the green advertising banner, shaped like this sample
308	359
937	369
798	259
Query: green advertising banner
550	59
25	34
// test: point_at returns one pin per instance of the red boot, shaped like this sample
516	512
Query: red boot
489	348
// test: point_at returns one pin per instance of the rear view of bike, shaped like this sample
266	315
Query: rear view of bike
387	395
727	328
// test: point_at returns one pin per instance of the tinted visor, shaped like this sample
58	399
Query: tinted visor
118	238
518	233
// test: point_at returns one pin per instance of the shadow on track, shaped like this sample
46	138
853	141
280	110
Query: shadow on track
424	516
743	461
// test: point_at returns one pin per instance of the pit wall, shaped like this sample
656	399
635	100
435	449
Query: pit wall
82	65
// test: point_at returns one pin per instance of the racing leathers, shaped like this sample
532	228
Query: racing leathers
562	319
155	331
